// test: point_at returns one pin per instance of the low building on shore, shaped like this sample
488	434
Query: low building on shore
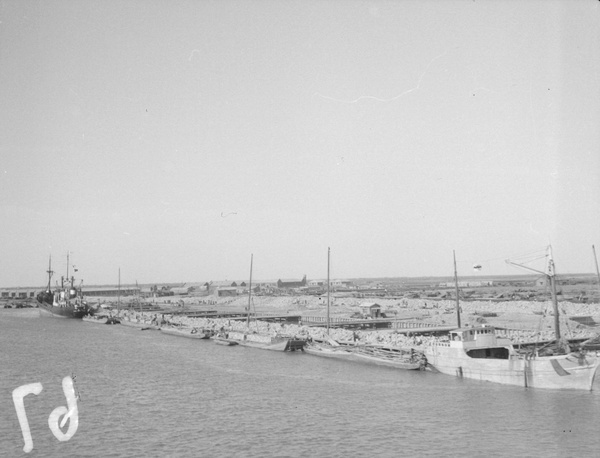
370	309
19	293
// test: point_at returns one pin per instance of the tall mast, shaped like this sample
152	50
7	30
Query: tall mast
456	287
67	267
138	295
50	272
249	292
119	294
596	260
550	275
328	288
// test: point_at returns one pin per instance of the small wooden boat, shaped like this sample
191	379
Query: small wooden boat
389	356
95	319
190	333
328	351
101	319
142	326
221	340
264	342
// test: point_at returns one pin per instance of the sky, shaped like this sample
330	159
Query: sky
170	140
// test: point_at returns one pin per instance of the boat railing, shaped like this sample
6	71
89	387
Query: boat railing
411	325
439	343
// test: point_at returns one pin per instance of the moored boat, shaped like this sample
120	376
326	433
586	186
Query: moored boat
104	319
398	358
142	326
390	356
190	333
265	342
477	353
250	338
65	301
327	351
223	340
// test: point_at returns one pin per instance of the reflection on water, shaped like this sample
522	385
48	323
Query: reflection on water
148	394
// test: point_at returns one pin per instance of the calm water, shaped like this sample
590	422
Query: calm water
148	394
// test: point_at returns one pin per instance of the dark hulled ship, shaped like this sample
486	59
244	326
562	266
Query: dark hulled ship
65	301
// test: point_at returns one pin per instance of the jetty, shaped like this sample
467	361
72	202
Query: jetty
402	326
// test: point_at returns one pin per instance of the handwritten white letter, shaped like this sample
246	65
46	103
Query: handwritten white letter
70	413
18	394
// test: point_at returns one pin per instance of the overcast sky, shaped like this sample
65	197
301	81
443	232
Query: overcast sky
172	139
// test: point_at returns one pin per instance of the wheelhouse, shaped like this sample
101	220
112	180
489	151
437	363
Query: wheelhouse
480	342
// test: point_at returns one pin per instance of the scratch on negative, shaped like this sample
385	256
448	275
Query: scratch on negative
378	99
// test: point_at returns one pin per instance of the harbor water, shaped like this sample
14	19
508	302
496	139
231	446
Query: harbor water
143	393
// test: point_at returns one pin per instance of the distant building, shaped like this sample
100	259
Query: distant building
110	291
467	284
333	283
224	288
225	291
18	293
25	293
287	284
181	290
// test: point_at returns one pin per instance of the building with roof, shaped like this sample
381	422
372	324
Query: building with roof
18	293
370	309
287	284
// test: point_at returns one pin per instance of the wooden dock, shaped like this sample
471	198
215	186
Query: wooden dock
237	315
404	326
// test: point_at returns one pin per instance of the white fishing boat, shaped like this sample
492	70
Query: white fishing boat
477	353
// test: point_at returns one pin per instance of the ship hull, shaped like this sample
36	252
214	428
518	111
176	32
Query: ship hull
395	362
327	352
186	333
60	312
564	372
267	342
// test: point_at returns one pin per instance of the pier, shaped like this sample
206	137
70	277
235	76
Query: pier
403	326
271	317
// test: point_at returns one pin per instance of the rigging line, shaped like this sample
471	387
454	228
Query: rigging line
530	253
529	260
378	99
541	254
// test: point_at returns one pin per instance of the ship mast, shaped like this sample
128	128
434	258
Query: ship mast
50	272
596	260
249	292
550	275
119	294
328	289
456	288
